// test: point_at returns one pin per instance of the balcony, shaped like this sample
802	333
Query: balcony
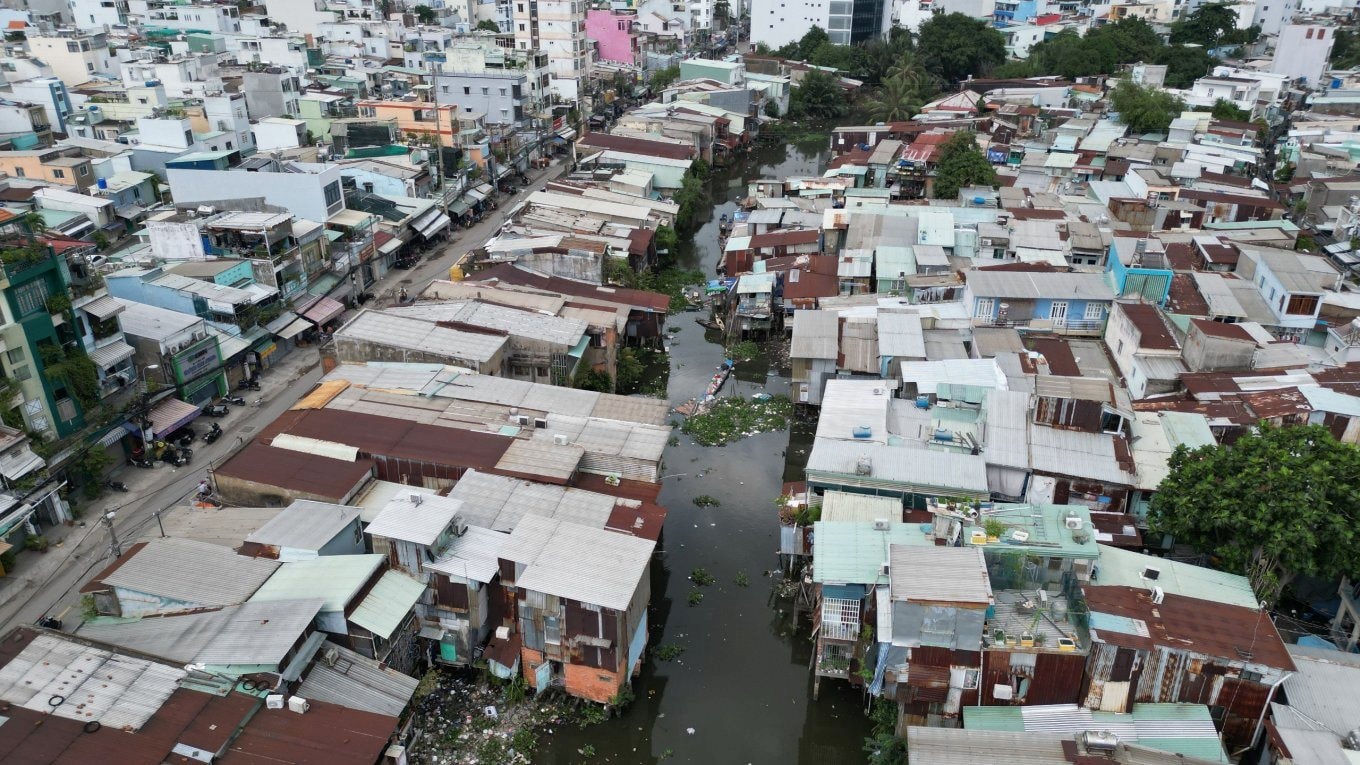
1086	327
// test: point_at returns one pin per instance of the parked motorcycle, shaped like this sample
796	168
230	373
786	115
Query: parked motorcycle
248	384
214	433
142	462
216	410
116	486
183	437
235	400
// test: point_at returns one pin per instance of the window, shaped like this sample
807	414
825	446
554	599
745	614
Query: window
1302	305
521	28
552	632
985	309
22	372
467	91
19	172
15	356
503	92
486	91
1094	312
333	194
31	298
58	173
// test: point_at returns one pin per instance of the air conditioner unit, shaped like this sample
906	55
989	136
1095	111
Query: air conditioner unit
1073	522
561	439
540	423
502	633
1158	595
416	498
298	704
1003	692
1020	536
274	701
521	419
880	524
458	525
330	656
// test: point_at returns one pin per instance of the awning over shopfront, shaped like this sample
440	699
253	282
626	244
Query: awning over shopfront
459	207
110	355
391	245
129	212
323	284
323	310
431	223
112	437
565	134
485	189
167	416
103	308
293	330
475	195
284	319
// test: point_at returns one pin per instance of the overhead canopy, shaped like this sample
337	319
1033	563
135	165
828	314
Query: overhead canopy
323	310
103	307
108	355
431	223
170	415
297	327
19	463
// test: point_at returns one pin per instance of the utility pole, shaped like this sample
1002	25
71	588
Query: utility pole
115	548
438	136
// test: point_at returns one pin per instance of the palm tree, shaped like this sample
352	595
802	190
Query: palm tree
35	224
898	99
909	69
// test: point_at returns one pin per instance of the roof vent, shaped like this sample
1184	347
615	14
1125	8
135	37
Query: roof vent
1100	741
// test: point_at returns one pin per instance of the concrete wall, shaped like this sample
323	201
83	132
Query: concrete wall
1205	353
302	193
464	90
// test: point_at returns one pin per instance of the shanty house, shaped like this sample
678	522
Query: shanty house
813	353
307	529
1066	303
171	575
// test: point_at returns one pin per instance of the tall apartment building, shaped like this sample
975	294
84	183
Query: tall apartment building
778	22
558	28
75	57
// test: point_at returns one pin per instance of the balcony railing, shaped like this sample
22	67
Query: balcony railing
1058	326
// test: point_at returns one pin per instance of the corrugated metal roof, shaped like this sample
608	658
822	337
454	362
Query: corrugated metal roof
854	553
141	320
842	506
816	335
473	556
851	405
1314	747
316	446
335	579
914	468
941	575
260	633
358	682
1007	443
1125	567
568	560
543	458
900	335
305	525
1035	285
417	335
192	572
983	373
958	746
388	604
1325	687
529	324
177	637
500	502
1077	388
420	522
1186	729
1046	528
116	690
1075	453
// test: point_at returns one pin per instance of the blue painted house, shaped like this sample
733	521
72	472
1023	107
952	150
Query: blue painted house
1138	268
1050	301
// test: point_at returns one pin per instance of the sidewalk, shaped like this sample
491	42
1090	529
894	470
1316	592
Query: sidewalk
76	550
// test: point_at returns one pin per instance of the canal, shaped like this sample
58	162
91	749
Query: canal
741	690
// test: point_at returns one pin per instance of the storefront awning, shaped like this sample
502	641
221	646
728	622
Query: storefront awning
129	212
110	355
103	307
112	437
431	223
391	245
475	195
284	319
170	415
567	134
323	310
458	207
293	330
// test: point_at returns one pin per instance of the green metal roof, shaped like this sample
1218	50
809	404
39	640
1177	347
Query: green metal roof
1120	567
1185	729
378	151
1049	536
994	718
334	578
388	604
1187	428
847	552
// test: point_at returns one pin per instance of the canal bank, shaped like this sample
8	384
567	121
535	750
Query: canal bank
739	688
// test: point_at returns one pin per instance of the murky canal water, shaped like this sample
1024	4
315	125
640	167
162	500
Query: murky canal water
742	683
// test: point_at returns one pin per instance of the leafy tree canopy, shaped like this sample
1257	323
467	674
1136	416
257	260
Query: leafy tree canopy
1273	505
1207	25
1346	49
487	25
1145	110
425	14
663	78
961	164
1184	64
953	46
805	47
819	96
1227	110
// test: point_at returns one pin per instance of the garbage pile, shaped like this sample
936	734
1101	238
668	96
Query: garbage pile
466	721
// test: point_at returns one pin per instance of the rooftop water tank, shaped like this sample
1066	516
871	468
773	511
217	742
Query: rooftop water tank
103	183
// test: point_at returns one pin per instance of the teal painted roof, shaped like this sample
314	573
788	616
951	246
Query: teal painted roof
994	718
1046	527
1124	568
388	603
853	552
336	579
1187	428
1186	729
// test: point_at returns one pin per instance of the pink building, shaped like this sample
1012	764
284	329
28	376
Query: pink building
613	32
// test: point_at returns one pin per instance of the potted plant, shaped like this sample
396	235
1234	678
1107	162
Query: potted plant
36	542
994	529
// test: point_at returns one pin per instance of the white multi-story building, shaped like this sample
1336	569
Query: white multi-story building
281	50
217	18
911	14
1303	51
97	15
75	57
778	22
558	28
1272	15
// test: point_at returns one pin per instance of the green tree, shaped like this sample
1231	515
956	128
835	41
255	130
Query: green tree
425	15
1184	64
953	46
772	109
597	380
898	99
842	58
1276	504
487	25
1206	25
662	78
1227	110
811	41
1145	110
819	96
880	55
961	164
722	13
1346	49
1133	39
666	240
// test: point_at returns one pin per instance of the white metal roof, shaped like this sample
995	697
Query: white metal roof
388	604
420	521
177	637
260	632
141	320
1325	687
529	324
594	566
1035	285
950	575
97	685
1072	452
305	525
900	335
473	556
307	445
863	508
927	375
336	579
192	572
947	471
414	334
816	335
499	502
848	405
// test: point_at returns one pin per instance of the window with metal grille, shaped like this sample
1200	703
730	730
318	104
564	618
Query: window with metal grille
840	618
